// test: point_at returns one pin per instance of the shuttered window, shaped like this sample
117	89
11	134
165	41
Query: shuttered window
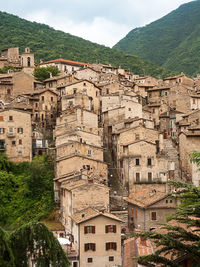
110	228
90	246
153	216
89	229
111	245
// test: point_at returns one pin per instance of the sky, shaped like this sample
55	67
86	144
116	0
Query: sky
103	21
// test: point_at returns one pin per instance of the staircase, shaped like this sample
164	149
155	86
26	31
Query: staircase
170	150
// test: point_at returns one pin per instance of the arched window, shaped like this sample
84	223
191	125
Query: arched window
28	61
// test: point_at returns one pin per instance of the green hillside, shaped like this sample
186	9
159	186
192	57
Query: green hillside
48	43
172	41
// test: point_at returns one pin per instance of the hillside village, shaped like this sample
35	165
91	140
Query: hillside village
117	139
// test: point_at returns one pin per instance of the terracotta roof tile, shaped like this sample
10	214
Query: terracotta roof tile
146	197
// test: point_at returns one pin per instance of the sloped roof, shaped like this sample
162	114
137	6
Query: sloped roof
90	213
146	197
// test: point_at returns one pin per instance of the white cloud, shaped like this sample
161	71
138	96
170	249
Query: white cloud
100	30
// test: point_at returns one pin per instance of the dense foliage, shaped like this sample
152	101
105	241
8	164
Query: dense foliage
172	41
31	242
182	232
43	73
48	43
26	190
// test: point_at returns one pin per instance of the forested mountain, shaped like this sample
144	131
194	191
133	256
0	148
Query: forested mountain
172	41
48	43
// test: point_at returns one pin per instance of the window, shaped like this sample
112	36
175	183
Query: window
20	141
90	246
36	104
42	117
110	228
28	61
10	118
13	143
89	152
149	162
137	162
171	201
166	200
150	95
10	130
75	90
111	258
42	98
89	260
107	91
75	264
84	84
153	215
50	84
96	93
193	100
89	229
70	103
129	109
8	91
137	176
20	130
149	176
51	98
111	245
160	93
1	130
166	93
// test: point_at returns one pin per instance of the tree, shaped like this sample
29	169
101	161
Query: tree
6	255
43	73
6	68
182	232
31	242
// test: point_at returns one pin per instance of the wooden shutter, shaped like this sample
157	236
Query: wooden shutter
114	246
107	246
93	229
106	228
153	216
93	246
85	229
136	213
86	247
114	229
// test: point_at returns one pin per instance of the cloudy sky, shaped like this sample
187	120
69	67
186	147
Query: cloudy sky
101	21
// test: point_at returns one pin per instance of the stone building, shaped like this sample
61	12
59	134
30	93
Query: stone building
80	194
23	61
63	65
16	134
15	83
82	87
97	235
189	141
149	209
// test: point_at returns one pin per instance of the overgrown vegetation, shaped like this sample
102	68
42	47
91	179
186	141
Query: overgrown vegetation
172	41
26	190
31	242
48	44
